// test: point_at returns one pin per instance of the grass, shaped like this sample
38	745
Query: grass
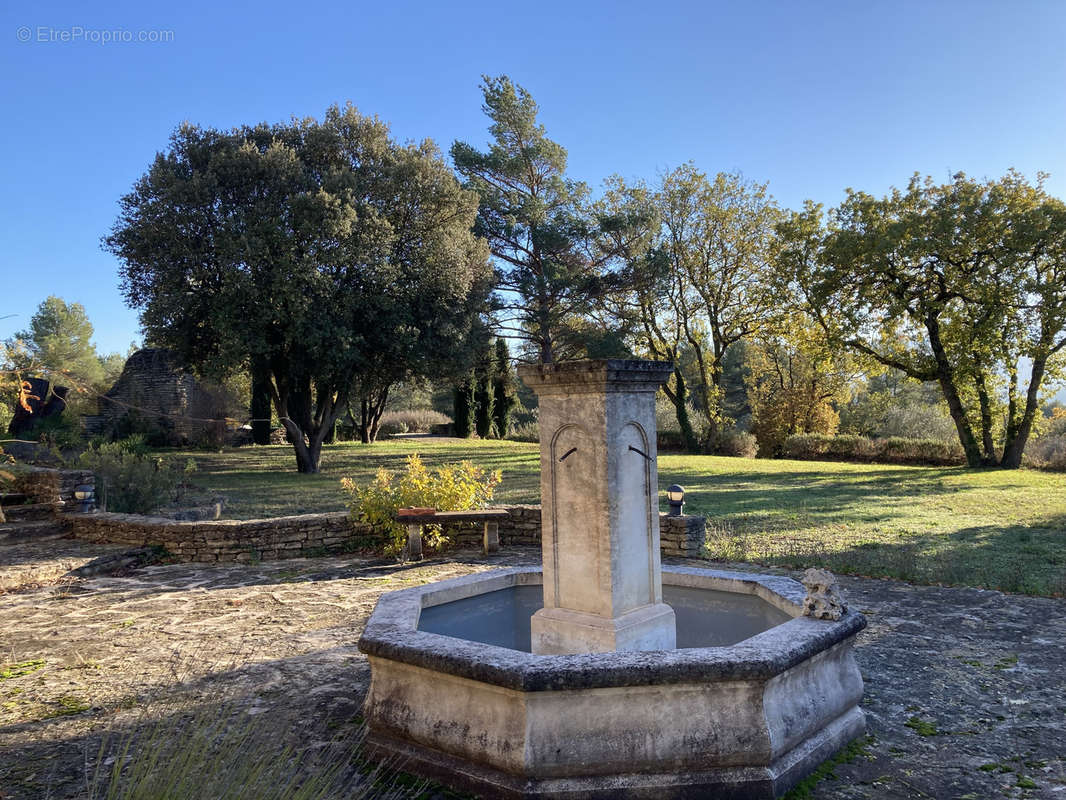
846	755
922	727
1001	529
262	481
9	671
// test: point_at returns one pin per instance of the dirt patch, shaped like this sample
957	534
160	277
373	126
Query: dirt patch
965	689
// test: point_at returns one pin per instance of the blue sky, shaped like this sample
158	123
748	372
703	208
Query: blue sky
810	96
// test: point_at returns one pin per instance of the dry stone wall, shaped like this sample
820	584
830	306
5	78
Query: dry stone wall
224	540
316	534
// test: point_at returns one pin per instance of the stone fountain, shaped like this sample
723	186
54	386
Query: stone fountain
604	674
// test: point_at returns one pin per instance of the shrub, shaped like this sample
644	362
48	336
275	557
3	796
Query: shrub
665	415
894	450
526	432
483	405
416	420
449	487
849	448
504	400
138	423
918	422
739	444
464	408
130	480
1047	452
61	431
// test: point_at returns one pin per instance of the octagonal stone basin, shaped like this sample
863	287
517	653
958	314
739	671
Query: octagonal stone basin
754	697
705	617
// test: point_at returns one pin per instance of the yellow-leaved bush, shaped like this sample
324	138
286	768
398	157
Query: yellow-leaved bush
449	487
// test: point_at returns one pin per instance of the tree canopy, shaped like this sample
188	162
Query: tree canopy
552	253
702	277
962	283
59	341
324	256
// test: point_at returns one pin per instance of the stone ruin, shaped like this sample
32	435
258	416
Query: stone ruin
158	397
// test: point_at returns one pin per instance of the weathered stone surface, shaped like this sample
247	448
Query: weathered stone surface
223	540
983	669
760	713
46	485
824	599
599	488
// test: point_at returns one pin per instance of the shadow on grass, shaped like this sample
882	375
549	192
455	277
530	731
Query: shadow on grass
1028	559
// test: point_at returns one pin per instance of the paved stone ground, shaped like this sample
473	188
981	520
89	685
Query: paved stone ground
965	689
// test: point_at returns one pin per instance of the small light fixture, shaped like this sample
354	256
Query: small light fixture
676	495
84	495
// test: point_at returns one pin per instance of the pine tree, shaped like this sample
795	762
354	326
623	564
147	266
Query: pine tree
553	251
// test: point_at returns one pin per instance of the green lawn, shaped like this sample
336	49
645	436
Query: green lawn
993	529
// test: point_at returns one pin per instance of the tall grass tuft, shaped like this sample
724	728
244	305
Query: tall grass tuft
221	750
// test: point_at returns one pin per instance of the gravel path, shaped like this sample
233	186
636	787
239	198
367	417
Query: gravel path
965	689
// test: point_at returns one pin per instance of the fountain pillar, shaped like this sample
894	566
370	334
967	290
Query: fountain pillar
599	508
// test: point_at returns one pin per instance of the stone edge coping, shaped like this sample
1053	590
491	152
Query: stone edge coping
392	633
168	522
605	374
474	515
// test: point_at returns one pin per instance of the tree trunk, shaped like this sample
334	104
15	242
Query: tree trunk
946	379
1014	447
1012	405
299	404
371	408
680	400
987	442
364	421
306	457
261	397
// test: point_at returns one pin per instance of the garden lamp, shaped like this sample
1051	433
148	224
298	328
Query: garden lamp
84	495
676	495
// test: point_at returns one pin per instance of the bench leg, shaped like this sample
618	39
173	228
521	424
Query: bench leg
491	542
414	542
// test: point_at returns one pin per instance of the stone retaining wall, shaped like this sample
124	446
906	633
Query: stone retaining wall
224	539
315	534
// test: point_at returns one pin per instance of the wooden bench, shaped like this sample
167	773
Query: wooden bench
415	518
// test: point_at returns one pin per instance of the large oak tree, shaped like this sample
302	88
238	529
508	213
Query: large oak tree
962	284
324	256
702	277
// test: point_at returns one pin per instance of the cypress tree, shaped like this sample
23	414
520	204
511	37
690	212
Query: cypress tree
483	396
464	406
503	390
